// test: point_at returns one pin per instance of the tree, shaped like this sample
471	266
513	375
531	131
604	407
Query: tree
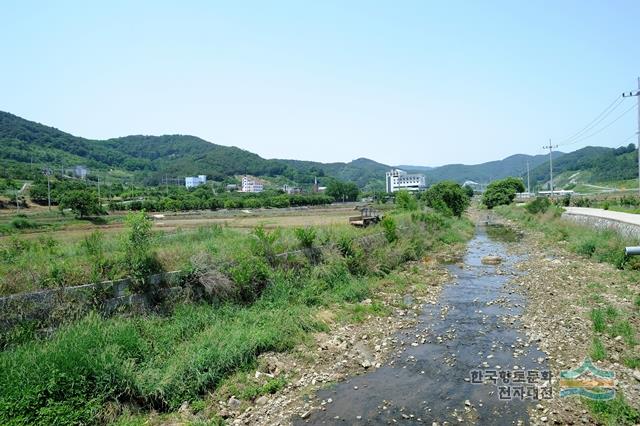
502	192
343	191
82	202
469	190
448	197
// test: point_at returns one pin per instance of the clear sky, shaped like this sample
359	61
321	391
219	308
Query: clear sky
400	82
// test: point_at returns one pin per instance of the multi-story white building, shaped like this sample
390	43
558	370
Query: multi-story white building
251	185
397	179
193	181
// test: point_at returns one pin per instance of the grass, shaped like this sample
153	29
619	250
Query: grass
102	370
598	320
598	351
614	412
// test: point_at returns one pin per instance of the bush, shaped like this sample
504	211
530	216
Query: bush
539	205
139	260
305	236
264	244
406	201
389	228
447	197
22	223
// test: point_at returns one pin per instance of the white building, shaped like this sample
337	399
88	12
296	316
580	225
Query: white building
397	179
251	185
193	181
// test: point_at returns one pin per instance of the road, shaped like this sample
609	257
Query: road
628	218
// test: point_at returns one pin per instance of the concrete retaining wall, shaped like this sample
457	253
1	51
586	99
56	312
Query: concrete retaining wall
625	229
53	306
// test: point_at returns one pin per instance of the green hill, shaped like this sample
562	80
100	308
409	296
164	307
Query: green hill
513	165
28	146
592	165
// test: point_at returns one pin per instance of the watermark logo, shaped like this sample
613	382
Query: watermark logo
588	381
515	384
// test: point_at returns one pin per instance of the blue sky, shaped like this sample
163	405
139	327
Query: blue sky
403	82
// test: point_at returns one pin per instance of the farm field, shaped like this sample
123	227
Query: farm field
67	228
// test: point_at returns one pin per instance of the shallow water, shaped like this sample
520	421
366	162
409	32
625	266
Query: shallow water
426	383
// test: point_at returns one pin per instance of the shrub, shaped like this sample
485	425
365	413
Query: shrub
539	205
264	244
22	223
389	228
139	260
305	236
406	201
251	275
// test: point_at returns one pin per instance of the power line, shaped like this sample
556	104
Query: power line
598	119
601	129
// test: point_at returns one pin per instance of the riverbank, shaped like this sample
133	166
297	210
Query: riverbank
579	307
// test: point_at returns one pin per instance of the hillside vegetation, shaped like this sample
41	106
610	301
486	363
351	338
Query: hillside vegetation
150	158
592	165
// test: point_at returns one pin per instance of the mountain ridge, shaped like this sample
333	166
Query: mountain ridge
28	146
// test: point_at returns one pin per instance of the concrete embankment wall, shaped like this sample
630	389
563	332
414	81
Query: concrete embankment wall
51	307
624	228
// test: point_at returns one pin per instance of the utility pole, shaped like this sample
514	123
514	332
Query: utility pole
550	148
637	94
528	180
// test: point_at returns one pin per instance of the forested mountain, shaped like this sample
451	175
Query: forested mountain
514	165
28	146
152	157
600	164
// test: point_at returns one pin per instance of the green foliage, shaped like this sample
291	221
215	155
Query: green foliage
598	320
94	246
502	192
406	201
305	236
159	361
448	197
81	202
264	244
468	190
598	351
615	412
389	228
22	223
539	205
600	164
137	246
342	191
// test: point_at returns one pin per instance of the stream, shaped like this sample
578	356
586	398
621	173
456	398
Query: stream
469	332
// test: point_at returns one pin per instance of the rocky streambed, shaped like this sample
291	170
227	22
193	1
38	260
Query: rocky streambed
466	359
